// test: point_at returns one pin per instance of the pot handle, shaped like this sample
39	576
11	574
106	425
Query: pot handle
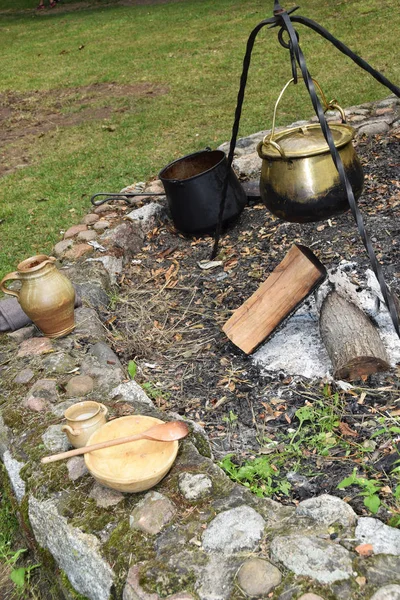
268	139
14	275
71	431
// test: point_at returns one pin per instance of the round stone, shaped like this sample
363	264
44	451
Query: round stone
87	236
90	219
234	530
79	386
310	596
77	251
62	247
101	225
74	230
257	577
388	592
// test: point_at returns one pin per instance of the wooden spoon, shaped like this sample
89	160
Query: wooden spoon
164	432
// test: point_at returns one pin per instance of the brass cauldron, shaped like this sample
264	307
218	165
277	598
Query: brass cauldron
299	181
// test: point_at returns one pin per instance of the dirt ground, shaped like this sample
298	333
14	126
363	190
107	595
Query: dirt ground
24	117
170	313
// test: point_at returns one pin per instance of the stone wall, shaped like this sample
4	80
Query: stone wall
197	534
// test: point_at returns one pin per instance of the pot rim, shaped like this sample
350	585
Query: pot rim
83	404
265	149
187	156
24	267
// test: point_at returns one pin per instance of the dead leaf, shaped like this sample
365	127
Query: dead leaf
365	550
345	430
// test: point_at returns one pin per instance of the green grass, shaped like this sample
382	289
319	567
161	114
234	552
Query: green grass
195	48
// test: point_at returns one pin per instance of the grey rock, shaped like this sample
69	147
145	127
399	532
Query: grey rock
131	392
90	219
87	236
384	539
126	236
303	486
105	497
380	569
312	557
91	270
24	376
101	225
194	486
23	334
152	513
62	247
147	216
76	553
13	468
59	362
4	437
216	579
389	592
373	128
390	101
310	596
105	355
92	295
327	510
79	386
88	325
106	378
248	165
258	577
234	530
55	440
76	468
112	265
44	389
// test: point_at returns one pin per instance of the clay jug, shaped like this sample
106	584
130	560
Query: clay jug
46	295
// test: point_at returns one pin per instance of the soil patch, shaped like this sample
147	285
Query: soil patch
170	314
25	117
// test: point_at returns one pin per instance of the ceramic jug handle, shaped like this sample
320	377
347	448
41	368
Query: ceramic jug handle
14	275
70	430
104	409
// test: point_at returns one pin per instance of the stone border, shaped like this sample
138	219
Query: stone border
197	534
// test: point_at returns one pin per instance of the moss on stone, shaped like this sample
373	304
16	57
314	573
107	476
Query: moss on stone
201	444
126	547
157	577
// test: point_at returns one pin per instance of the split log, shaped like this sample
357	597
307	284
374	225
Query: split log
290	282
353	343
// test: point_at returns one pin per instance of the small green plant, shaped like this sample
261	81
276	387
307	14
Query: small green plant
153	392
260	475
132	369
370	489
230	418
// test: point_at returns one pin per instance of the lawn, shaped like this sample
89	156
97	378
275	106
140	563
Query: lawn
96	95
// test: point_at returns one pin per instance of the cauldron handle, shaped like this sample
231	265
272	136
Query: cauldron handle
268	139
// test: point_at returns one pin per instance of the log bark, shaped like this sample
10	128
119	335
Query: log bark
290	282
353	343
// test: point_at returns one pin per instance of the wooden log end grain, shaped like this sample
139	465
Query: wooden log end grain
289	284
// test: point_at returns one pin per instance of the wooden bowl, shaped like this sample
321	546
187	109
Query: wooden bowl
132	467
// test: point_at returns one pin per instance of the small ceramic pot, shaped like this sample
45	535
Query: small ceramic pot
83	419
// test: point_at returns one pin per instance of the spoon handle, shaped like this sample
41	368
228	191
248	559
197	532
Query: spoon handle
85	449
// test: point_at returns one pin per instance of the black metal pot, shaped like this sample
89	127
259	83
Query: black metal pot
193	186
